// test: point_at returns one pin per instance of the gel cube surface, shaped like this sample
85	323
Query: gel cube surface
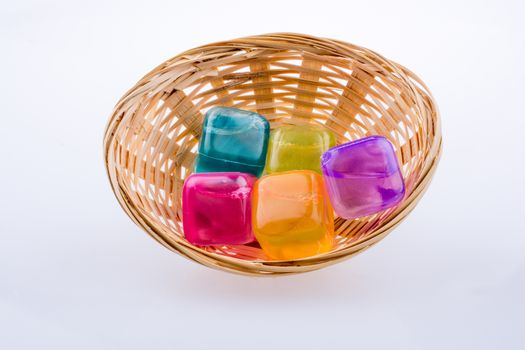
298	147
216	208
362	177
233	140
292	217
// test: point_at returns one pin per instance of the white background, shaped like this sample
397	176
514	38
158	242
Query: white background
76	273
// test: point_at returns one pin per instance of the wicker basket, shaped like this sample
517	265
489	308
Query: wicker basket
151	139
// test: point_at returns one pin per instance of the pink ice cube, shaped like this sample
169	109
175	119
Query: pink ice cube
216	208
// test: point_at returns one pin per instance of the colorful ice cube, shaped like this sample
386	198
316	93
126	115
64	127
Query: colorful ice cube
298	147
362	177
233	140
217	208
292	217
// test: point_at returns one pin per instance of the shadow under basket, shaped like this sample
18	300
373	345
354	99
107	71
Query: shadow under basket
151	140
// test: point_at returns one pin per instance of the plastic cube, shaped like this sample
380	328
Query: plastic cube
362	177
292	217
298	148
233	140
216	208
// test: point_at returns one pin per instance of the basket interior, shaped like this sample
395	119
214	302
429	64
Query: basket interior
354	93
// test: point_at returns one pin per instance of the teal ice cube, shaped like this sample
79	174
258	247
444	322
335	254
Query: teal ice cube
233	140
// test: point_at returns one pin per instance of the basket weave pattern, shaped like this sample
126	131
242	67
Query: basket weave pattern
151	139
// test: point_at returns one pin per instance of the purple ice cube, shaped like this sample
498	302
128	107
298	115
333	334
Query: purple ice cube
362	177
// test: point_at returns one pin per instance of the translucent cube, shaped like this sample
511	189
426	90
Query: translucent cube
292	217
294	147
216	208
362	177
233	140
